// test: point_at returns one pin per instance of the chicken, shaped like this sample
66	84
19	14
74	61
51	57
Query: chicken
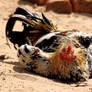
50	52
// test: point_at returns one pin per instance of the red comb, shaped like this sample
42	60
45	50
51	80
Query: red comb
67	54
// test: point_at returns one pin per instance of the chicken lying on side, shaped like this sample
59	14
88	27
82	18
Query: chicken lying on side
44	49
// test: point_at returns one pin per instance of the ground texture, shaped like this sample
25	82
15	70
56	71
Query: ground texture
13	78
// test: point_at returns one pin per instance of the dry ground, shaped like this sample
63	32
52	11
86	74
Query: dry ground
12	77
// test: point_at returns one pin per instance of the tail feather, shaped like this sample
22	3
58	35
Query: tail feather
33	25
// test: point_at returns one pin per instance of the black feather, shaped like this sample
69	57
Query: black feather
85	41
46	20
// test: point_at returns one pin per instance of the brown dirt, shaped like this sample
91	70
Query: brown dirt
12	76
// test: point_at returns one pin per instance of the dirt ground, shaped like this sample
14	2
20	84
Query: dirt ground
13	78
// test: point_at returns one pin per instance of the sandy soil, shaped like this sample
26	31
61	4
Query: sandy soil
12	76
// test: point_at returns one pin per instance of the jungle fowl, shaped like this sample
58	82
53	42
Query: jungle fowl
50	52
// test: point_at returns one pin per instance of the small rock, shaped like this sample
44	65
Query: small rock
2	57
82	6
3	78
59	6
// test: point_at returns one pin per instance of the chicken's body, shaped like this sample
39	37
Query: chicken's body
65	59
